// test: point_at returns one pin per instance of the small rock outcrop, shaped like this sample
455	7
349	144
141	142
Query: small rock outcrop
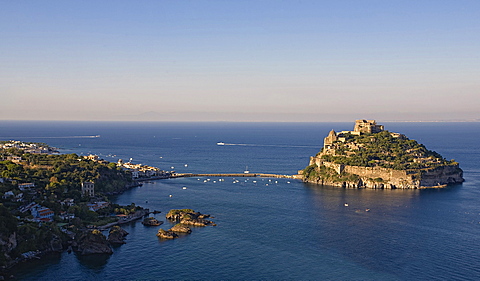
151	221
116	235
189	217
184	217
92	242
180	228
166	234
56	244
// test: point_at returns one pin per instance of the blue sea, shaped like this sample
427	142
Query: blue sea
271	229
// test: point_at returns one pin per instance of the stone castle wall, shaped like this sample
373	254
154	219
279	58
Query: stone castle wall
377	172
390	178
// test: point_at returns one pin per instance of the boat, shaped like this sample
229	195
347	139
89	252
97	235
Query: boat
246	170
220	143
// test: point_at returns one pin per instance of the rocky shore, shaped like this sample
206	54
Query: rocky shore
92	242
116	235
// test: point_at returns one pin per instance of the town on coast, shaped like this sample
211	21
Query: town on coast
51	202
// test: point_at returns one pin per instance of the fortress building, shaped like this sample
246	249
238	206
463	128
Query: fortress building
361	127
367	126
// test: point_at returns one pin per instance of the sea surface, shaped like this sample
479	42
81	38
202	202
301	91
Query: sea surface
271	229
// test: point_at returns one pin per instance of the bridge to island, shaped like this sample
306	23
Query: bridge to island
221	175
236	175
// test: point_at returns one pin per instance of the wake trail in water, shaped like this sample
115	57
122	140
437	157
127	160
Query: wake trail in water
271	145
60	137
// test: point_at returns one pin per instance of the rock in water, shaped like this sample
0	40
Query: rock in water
117	235
166	234
177	215
56	244
92	242
189	217
179	228
151	221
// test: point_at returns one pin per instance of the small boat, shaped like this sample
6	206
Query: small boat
220	143
246	170
346	204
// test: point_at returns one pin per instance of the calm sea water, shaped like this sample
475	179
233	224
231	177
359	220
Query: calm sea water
272	228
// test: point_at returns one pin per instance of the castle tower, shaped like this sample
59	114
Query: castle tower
330	139
88	189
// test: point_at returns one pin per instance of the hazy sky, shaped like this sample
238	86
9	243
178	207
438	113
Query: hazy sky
240	60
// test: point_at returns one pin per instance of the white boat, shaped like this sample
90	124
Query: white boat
220	143
246	170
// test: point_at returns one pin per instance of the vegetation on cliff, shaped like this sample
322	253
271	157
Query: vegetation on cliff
315	173
16	238
382	149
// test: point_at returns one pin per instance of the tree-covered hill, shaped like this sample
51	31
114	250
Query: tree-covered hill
382	149
62	174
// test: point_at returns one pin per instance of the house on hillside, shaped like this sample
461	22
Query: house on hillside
88	189
23	186
97	206
8	194
41	213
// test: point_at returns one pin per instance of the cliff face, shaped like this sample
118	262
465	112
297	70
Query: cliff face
414	165
382	178
7	244
442	176
92	242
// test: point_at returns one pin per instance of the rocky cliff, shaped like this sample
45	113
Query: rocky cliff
116	235
92	242
382	178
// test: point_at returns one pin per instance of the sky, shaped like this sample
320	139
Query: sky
261	60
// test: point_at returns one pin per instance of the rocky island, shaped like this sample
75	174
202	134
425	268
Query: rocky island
371	157
184	217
